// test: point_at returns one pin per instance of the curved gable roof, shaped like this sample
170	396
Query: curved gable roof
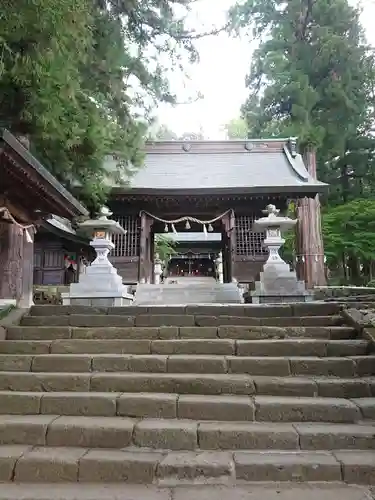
249	166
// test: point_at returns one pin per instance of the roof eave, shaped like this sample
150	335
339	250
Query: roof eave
67	200
300	190
50	228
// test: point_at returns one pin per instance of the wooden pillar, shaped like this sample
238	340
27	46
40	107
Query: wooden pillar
229	244
149	272
11	262
152	254
26	299
232	246
142	249
310	250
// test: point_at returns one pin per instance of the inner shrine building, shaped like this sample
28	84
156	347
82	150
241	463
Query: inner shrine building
217	188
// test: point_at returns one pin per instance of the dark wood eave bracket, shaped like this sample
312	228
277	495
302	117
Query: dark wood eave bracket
55	196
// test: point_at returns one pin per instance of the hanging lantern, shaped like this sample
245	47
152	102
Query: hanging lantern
210	228
187	225
174	229
166	228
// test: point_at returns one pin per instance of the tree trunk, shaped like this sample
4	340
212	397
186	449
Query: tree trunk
310	240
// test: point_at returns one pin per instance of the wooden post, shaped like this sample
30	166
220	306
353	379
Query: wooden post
310	250
232	245
26	299
142	250
11	262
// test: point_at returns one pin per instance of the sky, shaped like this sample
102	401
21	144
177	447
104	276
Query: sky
220	73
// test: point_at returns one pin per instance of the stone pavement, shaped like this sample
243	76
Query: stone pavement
127	492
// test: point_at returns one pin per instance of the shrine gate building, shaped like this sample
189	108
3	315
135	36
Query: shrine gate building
217	187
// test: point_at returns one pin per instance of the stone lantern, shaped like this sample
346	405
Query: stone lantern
277	284
100	285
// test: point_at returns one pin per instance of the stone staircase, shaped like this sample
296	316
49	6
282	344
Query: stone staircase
187	291
195	394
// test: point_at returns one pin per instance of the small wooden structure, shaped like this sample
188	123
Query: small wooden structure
59	253
220	186
27	193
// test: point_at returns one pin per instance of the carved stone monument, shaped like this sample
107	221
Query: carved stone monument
100	285
277	284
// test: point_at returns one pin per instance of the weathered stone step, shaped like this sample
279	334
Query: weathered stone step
152	403
196	489
255	364
187	383
172	332
222	407
172	434
200	320
66	465
252	310
189	363
68	364
163	356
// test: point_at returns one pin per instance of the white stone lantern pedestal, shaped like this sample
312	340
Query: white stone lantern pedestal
100	285
277	284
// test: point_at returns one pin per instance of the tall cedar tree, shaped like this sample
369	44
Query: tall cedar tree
312	73
66	69
312	77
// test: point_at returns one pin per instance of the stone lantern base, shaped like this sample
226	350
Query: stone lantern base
278	284
100	285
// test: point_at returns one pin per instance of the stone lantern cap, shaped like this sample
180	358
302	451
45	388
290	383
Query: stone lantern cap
273	220
102	223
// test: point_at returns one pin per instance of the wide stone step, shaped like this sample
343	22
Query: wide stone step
69	465
65	362
65	397
172	434
174	332
250	310
161	351
200	320
155	320
186	383
197	489
257	362
222	407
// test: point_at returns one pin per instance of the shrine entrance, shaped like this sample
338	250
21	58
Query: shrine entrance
197	245
191	265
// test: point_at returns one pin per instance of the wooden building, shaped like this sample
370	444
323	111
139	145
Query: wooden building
60	253
218	186
194	255
28	192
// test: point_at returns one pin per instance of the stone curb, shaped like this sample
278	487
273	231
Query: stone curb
359	320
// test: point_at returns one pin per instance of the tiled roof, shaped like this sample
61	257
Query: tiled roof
247	166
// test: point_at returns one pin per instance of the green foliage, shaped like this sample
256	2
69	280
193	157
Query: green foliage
164	133
311	74
165	246
73	74
350	229
236	128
